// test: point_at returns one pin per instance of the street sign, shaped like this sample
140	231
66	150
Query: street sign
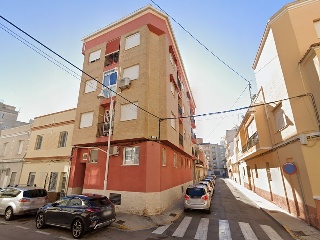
289	168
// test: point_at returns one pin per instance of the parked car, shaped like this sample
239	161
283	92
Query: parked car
80	213
211	180
21	200
197	197
209	186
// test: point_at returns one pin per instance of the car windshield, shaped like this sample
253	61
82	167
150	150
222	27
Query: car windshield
195	191
9	192
99	202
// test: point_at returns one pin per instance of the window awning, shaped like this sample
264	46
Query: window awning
113	46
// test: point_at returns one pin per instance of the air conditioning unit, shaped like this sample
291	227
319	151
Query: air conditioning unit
124	83
114	150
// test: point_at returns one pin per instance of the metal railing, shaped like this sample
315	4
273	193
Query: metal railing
180	139
103	129
180	110
252	141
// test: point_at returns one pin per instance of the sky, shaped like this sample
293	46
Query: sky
230	29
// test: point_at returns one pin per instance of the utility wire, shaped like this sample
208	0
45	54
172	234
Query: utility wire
236	109
75	66
215	55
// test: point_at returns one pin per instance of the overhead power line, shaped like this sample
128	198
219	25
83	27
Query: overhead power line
55	53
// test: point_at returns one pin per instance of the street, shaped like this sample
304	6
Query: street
233	216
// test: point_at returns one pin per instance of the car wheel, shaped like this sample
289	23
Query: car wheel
8	214
77	228
40	221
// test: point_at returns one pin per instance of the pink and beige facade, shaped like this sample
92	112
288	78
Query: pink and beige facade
145	101
47	160
277	146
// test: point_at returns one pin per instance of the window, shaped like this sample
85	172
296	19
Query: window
251	129
38	142
111	58
5	149
172	60
86	120
94	56
31	178
91	86
317	27
85	156
173	121
53	182
112	52
131	72
132	41
317	65
175	160
63	139
164	157
129	112
131	155
21	142
172	88
13	178
75	202
181	161
256	170
279	118
63	184
94	155
110	83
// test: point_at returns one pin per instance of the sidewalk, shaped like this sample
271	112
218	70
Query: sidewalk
297	228
133	222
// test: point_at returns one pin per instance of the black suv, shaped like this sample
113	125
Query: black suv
80	213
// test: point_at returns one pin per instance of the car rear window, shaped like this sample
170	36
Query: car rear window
34	193
195	192
99	202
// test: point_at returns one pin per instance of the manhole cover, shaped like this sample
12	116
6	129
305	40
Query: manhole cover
120	222
172	215
298	233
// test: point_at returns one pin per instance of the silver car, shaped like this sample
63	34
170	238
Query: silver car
197	197
21	200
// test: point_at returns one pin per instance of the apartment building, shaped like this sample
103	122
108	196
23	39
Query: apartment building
277	145
8	116
47	161
229	152
141	111
13	146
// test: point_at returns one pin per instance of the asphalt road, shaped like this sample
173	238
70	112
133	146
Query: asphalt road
233	216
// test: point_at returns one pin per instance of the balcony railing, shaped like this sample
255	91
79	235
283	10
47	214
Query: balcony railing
179	84
103	129
180	139
252	141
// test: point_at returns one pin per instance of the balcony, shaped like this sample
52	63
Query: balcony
180	139
252	141
103	129
193	138
193	122
179	110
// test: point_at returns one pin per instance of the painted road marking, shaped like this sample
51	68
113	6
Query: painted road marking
45	233
247	231
270	232
202	230
22	227
224	230
161	229
180	231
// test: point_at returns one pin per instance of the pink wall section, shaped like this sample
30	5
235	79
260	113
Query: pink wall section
148	176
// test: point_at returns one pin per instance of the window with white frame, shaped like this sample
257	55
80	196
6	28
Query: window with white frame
175	161
173	121
317	65
279	118
317	27
129	111
5	148
31	178
38	142
131	155
53	182
13	178
164	157
94	155
110	83
131	72
132	41
86	119
251	129
20	147
63	139
94	56
91	86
